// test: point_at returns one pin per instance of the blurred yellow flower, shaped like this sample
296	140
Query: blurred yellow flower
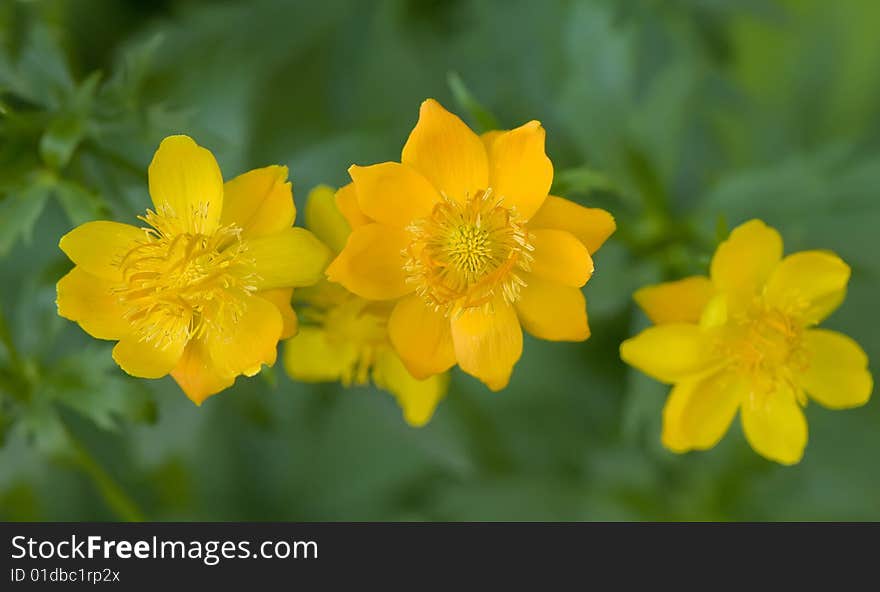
745	339
463	236
203	291
344	337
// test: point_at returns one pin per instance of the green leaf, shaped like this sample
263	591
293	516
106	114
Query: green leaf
60	140
89	382
19	212
483	119
80	203
583	180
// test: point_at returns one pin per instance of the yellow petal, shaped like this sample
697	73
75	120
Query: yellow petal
699	411
446	152
144	360
519	170
682	301
549	310
671	352
281	297
260	202
591	226
371	264
837	374
743	263
291	258
185	181
393	193
347	202
89	300
311	357
560	257
197	375
417	398
488	138
99	247
421	337
775	426
324	218
488	343
244	346
810	285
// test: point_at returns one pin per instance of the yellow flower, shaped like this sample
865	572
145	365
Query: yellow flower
463	236
745	339
344	337
203	291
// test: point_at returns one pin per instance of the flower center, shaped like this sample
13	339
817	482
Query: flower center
179	284
464	254
768	345
355	328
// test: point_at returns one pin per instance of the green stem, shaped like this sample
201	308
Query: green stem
125	508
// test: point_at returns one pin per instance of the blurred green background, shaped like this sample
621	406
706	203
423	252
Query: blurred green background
682	117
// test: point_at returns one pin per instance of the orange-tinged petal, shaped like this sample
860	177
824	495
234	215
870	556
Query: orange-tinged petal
347	202
488	343
837	373
197	375
281	297
417	398
560	257
371	264
185	181
392	193
99	247
421	337
144	360
743	263
291	258
90	301
681	301
809	285
699	410
311	357
447	153
242	347
325	220
553	311
671	352
591	226
260	202
519	170
774	425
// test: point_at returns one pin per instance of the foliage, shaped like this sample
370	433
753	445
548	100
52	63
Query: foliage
683	118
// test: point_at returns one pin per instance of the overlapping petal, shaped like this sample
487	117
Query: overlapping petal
488	343
560	257
371	264
392	193
260	202
90	301
186	182
591	226
519	170
447	153
417	398
671	352
774	425
681	301
700	410
290	258
197	375
100	247
744	262
553	311
836	373
421	337
325	220
809	285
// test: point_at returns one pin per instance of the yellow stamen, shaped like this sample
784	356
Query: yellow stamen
464	254
179	284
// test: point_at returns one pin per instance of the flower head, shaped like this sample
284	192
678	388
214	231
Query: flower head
202	290
344	337
745	339
463	236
